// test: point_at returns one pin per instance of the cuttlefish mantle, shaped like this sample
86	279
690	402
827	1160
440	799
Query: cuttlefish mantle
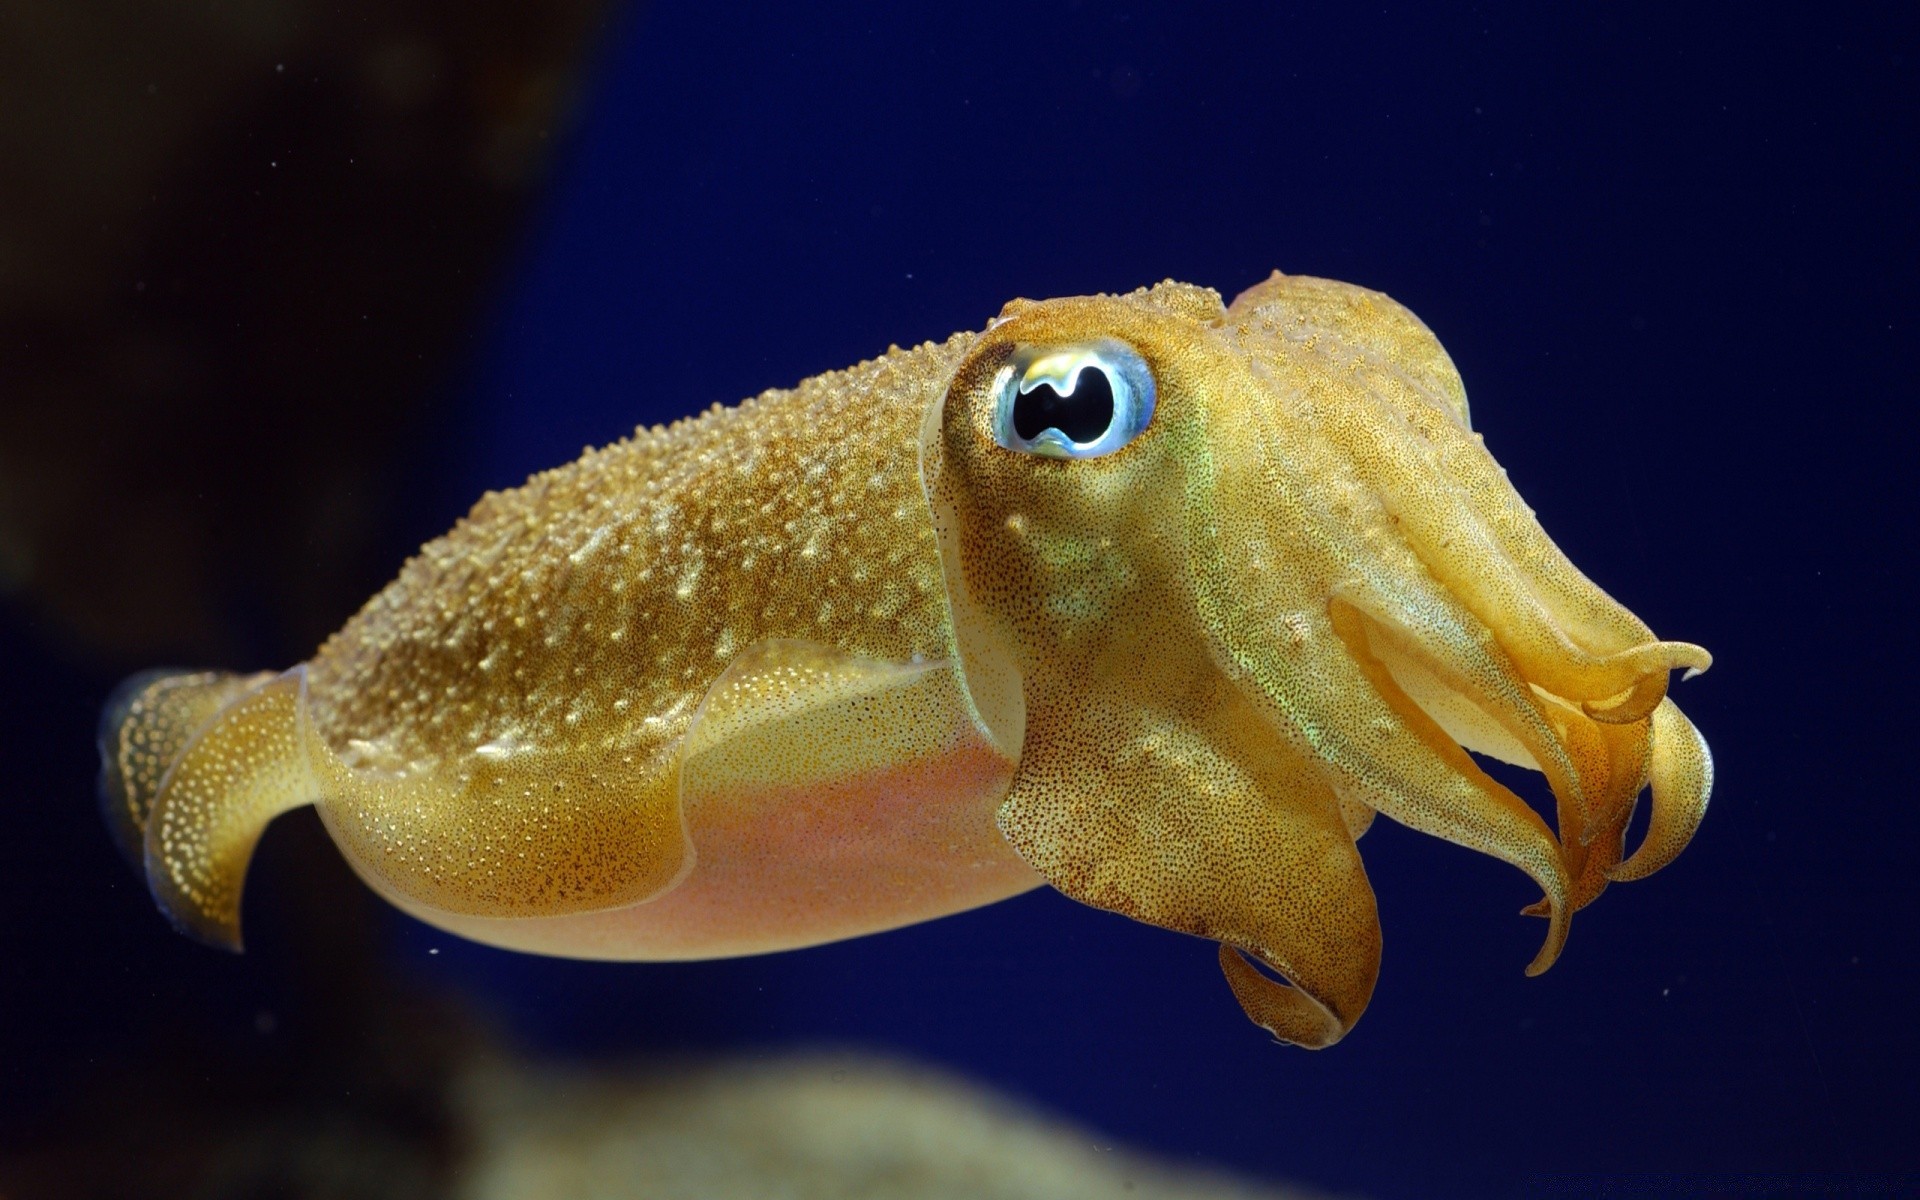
1155	600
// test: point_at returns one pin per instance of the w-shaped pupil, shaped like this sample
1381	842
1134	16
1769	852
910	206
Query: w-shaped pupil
1082	416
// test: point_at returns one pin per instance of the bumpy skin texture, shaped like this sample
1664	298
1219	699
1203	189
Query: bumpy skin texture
836	660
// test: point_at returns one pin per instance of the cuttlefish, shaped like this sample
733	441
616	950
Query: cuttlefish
1153	599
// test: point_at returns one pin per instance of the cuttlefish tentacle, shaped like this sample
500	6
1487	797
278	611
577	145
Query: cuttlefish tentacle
1613	759
1406	435
1196	826
1424	632
1296	640
1667	750
1374	338
1680	769
1564	635
1440	790
1444	514
1381	748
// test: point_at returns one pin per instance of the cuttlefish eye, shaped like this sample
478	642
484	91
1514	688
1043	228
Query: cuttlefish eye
1078	401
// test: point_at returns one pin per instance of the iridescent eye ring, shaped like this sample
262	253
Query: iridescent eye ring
1079	401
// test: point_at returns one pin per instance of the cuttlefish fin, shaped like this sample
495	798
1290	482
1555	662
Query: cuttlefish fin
245	765
513	826
825	794
196	766
1207	828
146	724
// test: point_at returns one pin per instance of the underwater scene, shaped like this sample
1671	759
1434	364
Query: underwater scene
1075	599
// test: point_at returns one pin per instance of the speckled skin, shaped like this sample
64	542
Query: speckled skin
569	628
623	582
835	660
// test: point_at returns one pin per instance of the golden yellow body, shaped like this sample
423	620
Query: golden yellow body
888	645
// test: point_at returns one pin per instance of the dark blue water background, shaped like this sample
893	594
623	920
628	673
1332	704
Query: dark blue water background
1673	255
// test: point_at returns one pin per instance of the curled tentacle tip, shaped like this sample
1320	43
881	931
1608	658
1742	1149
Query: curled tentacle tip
1288	1013
1653	660
1561	918
1660	657
1685	654
1680	773
1631	706
1693	671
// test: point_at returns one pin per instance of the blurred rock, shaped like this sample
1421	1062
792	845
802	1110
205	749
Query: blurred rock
425	1106
831	1127
241	247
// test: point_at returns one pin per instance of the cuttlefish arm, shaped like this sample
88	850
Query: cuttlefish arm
1152	599
1304	592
